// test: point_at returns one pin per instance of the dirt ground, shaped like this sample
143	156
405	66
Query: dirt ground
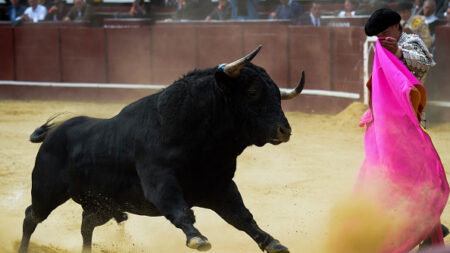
290	188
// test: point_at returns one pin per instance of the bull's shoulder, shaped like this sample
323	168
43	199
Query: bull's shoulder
199	73
141	108
192	95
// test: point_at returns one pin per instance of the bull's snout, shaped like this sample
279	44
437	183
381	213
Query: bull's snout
282	135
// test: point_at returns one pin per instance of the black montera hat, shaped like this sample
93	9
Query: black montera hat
380	20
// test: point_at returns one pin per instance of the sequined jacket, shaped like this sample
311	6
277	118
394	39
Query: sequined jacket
416	56
418	26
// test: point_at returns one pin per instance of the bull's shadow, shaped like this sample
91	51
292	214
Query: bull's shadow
163	154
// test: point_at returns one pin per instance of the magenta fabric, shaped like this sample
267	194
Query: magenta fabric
402	170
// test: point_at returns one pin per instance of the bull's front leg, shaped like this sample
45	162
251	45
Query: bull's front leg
229	205
162	189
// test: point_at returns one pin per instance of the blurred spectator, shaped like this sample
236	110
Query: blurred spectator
417	8
15	10
288	9
206	7
441	8
349	8
447	15
46	4
429	8
187	9
170	3
244	9
159	2
221	12
80	11
138	9
35	12
57	11
371	7
413	24
379	5
312	17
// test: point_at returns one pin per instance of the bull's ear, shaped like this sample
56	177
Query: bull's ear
223	81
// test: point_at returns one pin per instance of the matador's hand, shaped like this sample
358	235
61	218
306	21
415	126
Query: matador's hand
390	44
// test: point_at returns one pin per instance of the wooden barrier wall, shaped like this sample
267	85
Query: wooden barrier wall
163	52
332	57
7	71
438	82
439	85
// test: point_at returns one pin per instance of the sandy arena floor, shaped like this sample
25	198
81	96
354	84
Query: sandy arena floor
289	188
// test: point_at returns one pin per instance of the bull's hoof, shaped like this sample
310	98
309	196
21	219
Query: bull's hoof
276	247
119	217
199	243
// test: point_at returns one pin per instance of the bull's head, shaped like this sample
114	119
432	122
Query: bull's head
256	99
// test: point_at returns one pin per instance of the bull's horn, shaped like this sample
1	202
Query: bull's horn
232	69
288	94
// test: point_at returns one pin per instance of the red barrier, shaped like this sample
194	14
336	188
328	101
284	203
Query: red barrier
37	53
346	59
129	55
219	44
6	54
73	94
126	22
343	21
438	82
274	55
174	52
309	50
83	55
332	57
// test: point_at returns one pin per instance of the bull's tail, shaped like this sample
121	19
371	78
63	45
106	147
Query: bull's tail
41	132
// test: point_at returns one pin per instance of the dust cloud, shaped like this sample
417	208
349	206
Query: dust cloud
294	190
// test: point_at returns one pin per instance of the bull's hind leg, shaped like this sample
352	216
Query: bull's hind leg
48	191
29	225
35	214
88	224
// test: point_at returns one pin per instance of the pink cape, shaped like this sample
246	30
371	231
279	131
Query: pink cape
401	162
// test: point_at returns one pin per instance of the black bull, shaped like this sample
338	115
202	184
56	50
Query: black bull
163	154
